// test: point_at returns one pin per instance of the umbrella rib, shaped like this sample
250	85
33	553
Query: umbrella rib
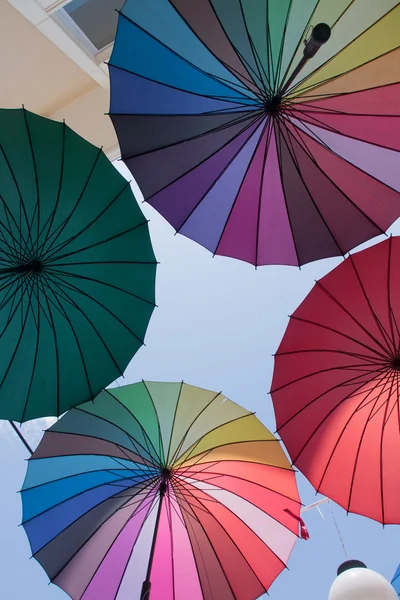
22	204
243	117
294	158
53	258
56	271
241	185
248	80
385	335
196	518
260	195
278	83
258	117
57	357
368	361
160	440
182	519
199	439
351	381
173	424
79	291
381	446
315	107
298	46
216	78
227	99
37	206
145	462
52	249
194	542
358	454
352	317
135	443
392	318
15	250
169	520
395	394
133	547
256	77
226	167
320	96
37	294
17	345
176	454
124	505
218	475
118	479
184	469
216	501
343	49
278	142
328	415
10	295
307	150
151	447
256	57
47	282
60	228
202	502
294	112
380	351
51	218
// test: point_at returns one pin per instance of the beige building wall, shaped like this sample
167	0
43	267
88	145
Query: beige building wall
38	73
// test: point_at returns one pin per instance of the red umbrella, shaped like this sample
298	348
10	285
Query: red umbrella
336	384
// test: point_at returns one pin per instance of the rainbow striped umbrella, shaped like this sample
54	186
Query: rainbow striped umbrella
252	143
160	490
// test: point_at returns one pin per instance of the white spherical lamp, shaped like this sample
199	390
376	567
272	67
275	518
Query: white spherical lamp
356	582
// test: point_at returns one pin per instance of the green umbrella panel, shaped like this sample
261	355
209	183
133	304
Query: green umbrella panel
77	268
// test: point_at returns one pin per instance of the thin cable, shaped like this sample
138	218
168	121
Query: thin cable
338	532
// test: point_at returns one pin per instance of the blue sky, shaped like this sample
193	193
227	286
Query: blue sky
217	325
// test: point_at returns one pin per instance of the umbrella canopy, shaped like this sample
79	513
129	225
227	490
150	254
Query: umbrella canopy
336	384
396	581
77	269
161	483
251	143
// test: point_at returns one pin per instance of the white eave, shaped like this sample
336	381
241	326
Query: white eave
39	13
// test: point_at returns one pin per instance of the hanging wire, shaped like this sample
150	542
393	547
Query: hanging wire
338	531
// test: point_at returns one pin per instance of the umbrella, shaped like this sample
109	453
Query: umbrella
248	141
77	269
160	485
396	581
336	384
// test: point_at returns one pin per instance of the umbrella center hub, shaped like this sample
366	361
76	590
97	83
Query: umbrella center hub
34	266
395	363
166	475
273	105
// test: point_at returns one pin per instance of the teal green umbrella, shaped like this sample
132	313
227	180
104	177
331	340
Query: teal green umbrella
77	269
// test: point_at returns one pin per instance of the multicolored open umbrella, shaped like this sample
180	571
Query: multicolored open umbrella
160	490
77	269
336	384
248	141
396	581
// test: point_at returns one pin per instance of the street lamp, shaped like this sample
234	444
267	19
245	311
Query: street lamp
356	582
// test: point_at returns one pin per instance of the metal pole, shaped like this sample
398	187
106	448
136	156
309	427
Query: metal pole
319	36
145	594
314	505
21	437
